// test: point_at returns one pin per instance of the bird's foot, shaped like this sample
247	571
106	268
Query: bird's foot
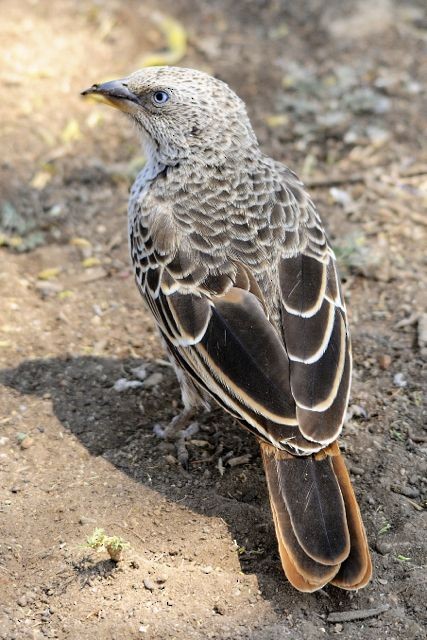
178	431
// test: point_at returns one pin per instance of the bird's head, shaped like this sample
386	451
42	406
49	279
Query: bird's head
183	114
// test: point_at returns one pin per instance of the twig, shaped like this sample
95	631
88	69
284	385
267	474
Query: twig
357	614
361	177
332	182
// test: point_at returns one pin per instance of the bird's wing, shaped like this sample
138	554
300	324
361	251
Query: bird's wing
219	333
313	320
289	388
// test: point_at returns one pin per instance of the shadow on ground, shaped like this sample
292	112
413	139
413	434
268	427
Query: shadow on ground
110	424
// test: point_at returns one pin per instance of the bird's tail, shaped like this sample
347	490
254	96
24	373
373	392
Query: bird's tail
318	523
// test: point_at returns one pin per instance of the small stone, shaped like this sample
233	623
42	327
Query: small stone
357	471
399	380
207	569
27	442
170	459
384	361
45	616
31	596
384	548
341	197
153	380
149	584
161	578
220	609
22	601
338	628
140	372
84	520
3	440
123	384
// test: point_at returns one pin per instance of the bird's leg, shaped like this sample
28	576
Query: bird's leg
179	429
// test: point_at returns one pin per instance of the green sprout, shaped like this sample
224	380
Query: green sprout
386	527
113	545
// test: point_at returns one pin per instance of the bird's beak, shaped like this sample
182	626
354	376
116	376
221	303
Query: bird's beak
114	93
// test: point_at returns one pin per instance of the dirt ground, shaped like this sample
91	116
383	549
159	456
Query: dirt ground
338	91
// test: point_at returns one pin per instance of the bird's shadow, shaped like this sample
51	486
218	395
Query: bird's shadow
85	403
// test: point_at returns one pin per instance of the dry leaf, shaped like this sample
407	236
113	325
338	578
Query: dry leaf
49	274
80	242
91	262
40	180
276	120
176	38
71	132
66	293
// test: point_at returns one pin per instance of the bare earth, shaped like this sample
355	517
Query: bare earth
337	90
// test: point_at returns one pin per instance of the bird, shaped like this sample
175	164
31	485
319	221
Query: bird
232	260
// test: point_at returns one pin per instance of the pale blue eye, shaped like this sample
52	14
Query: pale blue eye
160	97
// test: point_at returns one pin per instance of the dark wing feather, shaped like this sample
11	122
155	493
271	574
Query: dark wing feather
314	386
317	342
303	282
231	350
244	350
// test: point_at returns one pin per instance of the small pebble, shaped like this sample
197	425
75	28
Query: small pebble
207	569
161	578
123	384
27	442
384	548
220	609
140	372
22	601
153	380
149	584
384	361
338	628
399	380
357	471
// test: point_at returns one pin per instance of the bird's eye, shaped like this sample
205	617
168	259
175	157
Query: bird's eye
160	97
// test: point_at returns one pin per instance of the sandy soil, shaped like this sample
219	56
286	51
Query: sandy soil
337	90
